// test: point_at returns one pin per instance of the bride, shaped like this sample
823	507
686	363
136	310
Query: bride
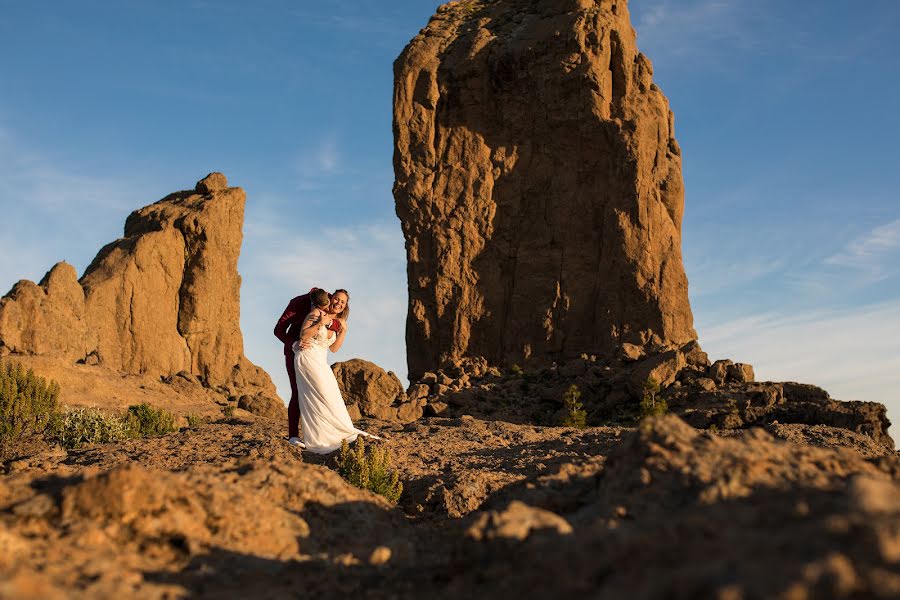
326	422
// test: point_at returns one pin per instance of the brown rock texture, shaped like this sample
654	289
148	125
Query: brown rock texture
489	510
370	391
163	299
612	388
538	183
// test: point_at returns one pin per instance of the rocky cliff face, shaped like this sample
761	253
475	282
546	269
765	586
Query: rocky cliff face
538	182
163	299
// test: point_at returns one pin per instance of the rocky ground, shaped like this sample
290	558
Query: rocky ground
489	509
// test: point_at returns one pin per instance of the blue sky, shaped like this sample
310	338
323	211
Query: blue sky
785	111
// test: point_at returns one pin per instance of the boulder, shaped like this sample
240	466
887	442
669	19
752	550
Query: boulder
538	184
372	388
631	352
695	356
718	371
213	182
411	411
418	390
741	373
663	368
263	406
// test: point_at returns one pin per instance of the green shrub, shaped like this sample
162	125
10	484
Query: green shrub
28	403
651	405
516	371
228	410
146	421
79	427
575	415
193	420
370	469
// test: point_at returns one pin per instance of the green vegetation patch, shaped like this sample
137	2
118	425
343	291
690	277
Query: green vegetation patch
651	405
370	469
28	404
83	426
575	415
146	421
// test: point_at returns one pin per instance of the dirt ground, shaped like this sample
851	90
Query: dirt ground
489	509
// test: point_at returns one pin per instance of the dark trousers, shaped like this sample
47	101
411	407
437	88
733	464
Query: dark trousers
294	404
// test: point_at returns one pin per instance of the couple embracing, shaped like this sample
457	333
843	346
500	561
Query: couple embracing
311	325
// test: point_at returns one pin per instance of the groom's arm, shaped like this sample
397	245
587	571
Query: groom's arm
293	314
284	321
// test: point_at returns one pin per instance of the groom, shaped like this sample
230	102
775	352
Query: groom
287	329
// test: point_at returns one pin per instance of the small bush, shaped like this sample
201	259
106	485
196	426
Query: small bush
146	421
193	420
575	415
79	427
651	405
28	403
228	410
370	470
516	371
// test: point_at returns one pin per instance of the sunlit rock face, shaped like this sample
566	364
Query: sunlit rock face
163	299
539	187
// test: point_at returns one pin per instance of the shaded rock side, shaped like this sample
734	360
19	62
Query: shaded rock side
539	187
163	299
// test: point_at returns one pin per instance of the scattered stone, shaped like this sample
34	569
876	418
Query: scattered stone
418	391
517	522
263	406
631	352
436	408
380	556
740	373
718	371
411	411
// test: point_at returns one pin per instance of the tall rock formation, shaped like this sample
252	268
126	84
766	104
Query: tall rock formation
163	299
538	182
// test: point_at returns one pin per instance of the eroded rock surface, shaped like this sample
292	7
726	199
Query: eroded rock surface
229	509
370	391
538	183
708	396
163	299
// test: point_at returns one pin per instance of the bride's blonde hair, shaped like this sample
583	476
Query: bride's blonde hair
345	314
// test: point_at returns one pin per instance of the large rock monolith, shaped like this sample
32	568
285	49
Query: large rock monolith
538	183
163	299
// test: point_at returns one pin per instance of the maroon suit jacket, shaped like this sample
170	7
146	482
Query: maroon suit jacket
288	327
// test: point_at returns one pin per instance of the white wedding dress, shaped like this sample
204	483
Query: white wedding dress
323	415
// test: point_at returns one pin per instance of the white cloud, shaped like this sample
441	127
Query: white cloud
853	353
368	260
876	254
681	27
715	273
318	163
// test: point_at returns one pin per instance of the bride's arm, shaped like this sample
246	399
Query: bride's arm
310	324
340	336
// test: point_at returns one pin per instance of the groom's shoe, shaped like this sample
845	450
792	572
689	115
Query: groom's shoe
295	441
